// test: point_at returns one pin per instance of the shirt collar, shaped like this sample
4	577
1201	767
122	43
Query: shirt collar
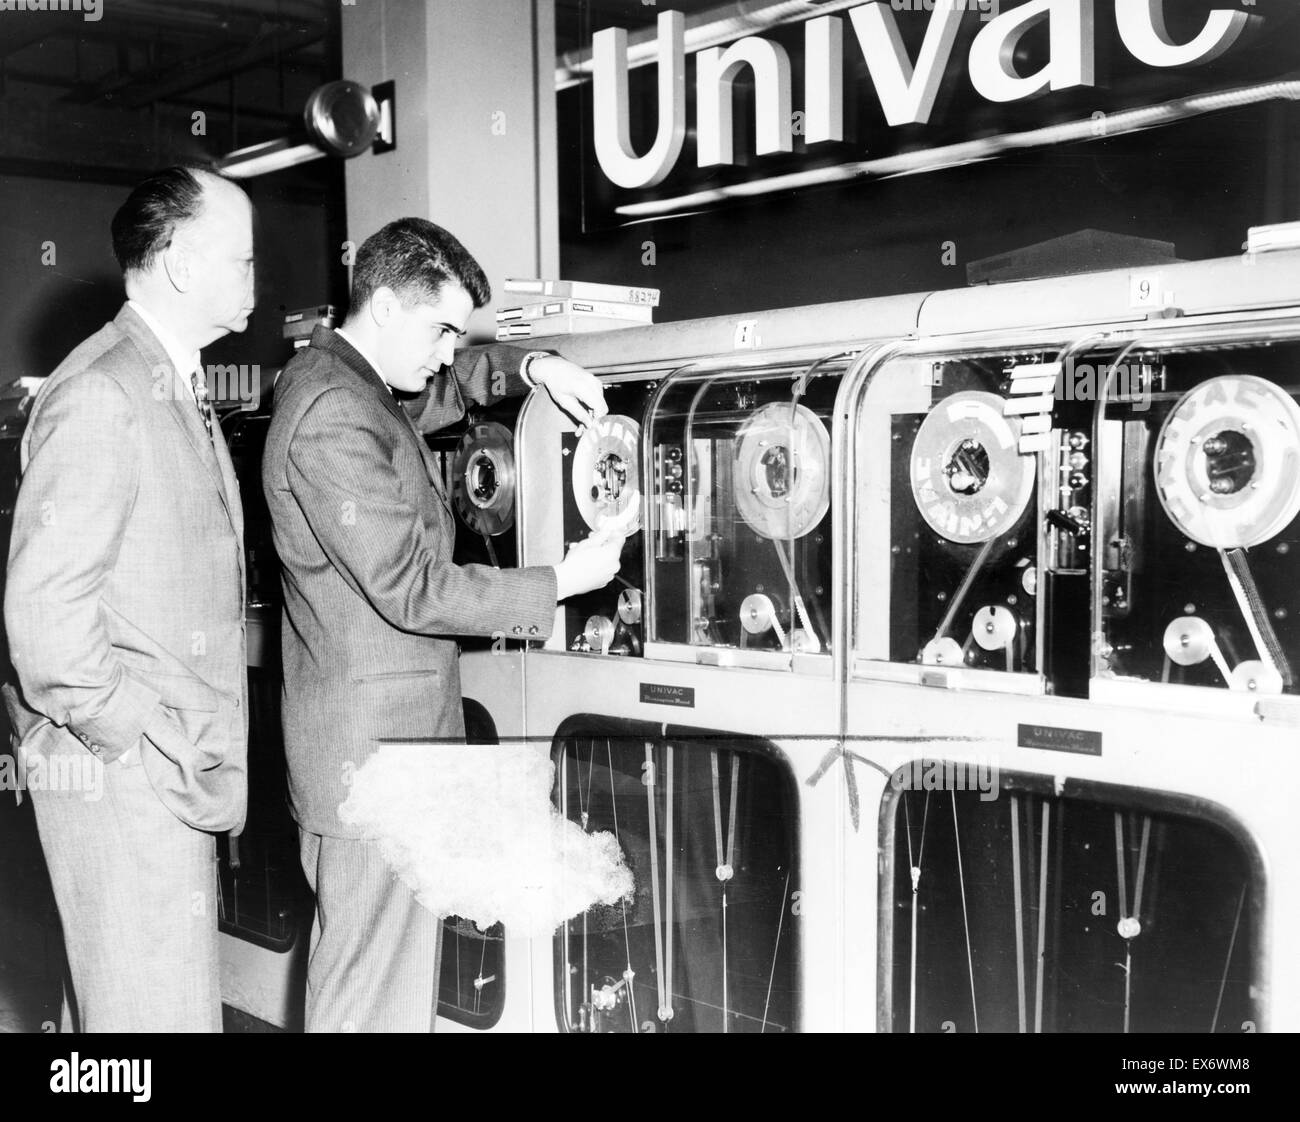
185	362
351	342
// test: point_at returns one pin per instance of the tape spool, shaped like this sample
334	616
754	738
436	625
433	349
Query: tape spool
943	652
599	633
781	478
483	479
969	480
1227	462
1188	641
607	475
994	627
757	613
804	642
629	606
1253	676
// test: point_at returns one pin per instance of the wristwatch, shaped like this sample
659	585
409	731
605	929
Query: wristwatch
526	365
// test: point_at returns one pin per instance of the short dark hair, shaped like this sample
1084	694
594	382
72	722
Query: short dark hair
415	258
145	224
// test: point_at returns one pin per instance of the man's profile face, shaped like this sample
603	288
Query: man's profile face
221	243
416	342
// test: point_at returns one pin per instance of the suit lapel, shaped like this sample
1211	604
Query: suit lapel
328	340
166	383
426	457
230	490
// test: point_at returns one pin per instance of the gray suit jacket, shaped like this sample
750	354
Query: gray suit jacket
124	603
372	600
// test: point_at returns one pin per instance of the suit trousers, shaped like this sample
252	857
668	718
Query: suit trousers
375	951
136	892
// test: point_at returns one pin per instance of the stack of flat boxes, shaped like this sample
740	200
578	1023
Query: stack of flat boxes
535	308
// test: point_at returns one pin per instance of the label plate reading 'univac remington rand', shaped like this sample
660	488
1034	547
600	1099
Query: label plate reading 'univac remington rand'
1085	742
656	693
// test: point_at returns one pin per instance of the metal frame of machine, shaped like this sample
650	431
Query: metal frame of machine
1023	689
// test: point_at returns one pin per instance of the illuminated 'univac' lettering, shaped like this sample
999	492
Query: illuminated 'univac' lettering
715	73
907	90
609	95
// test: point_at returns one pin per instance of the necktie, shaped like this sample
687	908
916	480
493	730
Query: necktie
201	398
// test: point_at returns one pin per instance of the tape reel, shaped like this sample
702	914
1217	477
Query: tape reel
782	480
483	479
994	627
1227	462
969	480
607	474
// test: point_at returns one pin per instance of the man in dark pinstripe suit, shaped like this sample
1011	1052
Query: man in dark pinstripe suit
372	599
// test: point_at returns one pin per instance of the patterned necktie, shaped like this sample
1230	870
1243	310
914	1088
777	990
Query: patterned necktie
201	398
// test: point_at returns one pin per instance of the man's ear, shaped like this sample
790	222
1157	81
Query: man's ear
383	305
178	264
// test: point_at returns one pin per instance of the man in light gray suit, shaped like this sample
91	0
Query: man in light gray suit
124	607
372	600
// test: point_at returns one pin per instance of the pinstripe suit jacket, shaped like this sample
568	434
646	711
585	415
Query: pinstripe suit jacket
124	602
372	601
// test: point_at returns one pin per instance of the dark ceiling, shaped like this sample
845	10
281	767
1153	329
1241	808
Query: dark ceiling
155	80
109	98
576	20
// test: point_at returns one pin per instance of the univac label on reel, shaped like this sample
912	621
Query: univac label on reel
1084	742
658	693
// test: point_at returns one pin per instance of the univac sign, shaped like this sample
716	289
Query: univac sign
907	87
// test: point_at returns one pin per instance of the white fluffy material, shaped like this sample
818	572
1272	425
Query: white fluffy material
471	830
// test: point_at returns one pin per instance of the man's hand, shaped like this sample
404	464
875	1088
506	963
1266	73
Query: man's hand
589	564
575	390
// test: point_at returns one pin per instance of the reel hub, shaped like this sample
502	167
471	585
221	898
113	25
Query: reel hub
1227	462
969	480
782	481
483	479
606	475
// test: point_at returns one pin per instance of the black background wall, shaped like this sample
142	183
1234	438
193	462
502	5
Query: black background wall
1199	184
